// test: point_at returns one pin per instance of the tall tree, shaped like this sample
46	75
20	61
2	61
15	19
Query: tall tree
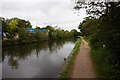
13	28
24	24
104	28
4	24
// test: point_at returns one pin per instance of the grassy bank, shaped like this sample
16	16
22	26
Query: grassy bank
101	58
70	62
18	41
101	63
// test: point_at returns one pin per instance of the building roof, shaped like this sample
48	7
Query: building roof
34	31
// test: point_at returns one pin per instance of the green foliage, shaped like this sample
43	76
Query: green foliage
61	34
17	26
102	67
104	30
70	62
39	35
37	27
24	24
4	24
13	24
12	28
25	37
74	33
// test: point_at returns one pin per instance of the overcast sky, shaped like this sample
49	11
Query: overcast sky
43	12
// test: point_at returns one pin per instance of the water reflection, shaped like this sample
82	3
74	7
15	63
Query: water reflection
44	59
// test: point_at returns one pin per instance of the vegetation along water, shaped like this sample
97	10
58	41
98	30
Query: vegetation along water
19	31
102	30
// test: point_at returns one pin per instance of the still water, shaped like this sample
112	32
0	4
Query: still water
36	60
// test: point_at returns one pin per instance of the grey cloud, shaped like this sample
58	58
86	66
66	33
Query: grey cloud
43	13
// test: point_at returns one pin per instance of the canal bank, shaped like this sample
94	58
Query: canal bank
83	65
13	42
79	65
69	61
18	42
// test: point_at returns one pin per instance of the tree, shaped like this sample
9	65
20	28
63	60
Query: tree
28	24
39	35
4	24
97	8
24	24
74	33
13	28
103	27
37	27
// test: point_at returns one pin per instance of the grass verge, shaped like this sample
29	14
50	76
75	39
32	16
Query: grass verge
101	61
71	59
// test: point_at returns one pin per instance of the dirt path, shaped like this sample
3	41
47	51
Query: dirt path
83	67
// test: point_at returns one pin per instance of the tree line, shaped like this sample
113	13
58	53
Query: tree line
17	26
102	28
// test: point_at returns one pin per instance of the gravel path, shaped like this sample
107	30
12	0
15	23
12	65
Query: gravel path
83	66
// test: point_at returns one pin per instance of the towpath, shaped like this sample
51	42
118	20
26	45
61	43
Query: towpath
83	66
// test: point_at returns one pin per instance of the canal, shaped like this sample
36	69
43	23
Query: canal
36	60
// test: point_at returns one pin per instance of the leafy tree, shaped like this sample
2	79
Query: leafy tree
4	24
24	24
28	24
25	36
13	28
39	35
37	27
103	28
74	33
97	8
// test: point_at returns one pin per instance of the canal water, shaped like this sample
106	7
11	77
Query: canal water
36	60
